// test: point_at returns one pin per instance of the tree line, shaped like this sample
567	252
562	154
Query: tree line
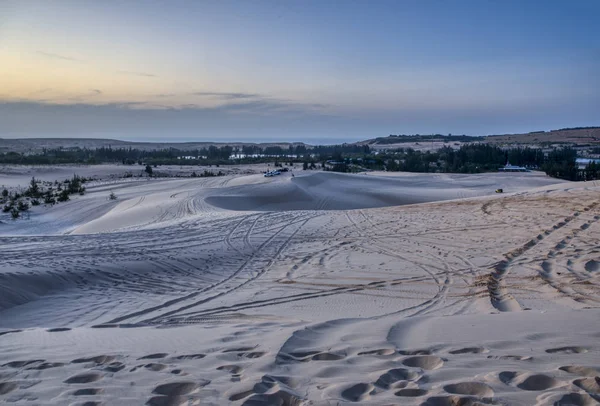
469	158
38	192
472	158
172	156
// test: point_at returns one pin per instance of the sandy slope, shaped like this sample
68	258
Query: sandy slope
169	296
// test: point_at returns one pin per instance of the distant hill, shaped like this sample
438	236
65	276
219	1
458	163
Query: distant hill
572	136
576	136
407	139
31	145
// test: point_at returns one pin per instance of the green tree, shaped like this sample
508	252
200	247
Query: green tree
22	206
49	198
63	196
34	189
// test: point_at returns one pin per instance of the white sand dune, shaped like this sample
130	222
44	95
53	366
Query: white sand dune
335	191
318	289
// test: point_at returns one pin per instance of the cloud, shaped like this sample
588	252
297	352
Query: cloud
82	98
57	56
256	102
272	119
133	119
227	95
132	73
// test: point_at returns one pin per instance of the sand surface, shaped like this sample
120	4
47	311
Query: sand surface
412	289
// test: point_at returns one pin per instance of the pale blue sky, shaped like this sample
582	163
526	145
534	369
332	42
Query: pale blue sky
313	71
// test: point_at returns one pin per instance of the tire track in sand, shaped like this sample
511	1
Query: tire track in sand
500	298
199	292
254	256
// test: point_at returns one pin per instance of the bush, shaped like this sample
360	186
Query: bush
112	196
22	206
35	202
74	185
14	213
49	198
34	189
63	196
7	207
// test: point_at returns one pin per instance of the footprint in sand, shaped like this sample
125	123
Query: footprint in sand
21	364
7	387
592	266
100	359
415	352
470	350
427	362
590	385
252	354
269	382
358	392
567	350
327	356
393	376
105	326
507	377
239	349
580	370
278	398
510	357
114	367
470	388
179	388
168	401
84	378
46	365
576	399
241	395
88	392
303	356
452	400
411	392
154	356
190	356
382	351
533	382
155	367
234	370
279	390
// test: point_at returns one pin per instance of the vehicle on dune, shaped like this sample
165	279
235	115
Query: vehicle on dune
272	173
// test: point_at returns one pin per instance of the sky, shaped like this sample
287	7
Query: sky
315	71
